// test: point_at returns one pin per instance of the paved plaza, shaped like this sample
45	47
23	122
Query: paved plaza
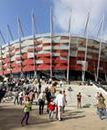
74	119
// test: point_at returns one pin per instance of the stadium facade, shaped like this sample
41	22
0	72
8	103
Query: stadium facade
57	56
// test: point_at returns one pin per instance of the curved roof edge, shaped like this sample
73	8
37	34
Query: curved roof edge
48	34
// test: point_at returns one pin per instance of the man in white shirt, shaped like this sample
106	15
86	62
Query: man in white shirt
60	104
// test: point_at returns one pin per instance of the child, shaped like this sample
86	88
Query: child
51	108
27	109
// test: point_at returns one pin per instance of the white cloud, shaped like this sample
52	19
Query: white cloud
78	10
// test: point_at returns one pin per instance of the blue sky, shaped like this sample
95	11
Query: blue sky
10	9
62	9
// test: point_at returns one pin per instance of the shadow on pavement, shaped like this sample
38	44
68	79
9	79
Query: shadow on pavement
74	115
10	118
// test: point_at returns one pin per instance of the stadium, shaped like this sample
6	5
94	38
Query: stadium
59	56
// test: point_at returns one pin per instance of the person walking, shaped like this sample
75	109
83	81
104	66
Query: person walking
16	97
101	107
79	96
27	109
41	101
53	89
65	101
21	97
48	97
51	108
31	96
60	103
97	97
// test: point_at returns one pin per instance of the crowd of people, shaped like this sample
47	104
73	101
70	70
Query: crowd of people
27	92
36	91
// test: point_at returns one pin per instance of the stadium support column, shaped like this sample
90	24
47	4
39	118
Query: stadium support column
99	55
1	60
20	30
1	49
69	51
33	34
94	71
98	64
84	67
11	36
51	38
10	33
86	49
105	77
105	71
10	67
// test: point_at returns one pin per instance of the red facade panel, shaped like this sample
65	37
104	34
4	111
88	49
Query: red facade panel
38	48
1	72
28	62
29	68
16	70
60	67
76	67
6	72
43	55
43	67
64	54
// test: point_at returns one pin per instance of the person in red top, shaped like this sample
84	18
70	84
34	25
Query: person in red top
51	108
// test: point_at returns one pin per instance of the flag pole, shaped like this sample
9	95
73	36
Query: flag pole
33	33
69	50
10	67
10	33
1	49
51	37
1	60
19	36
11	36
99	55
86	48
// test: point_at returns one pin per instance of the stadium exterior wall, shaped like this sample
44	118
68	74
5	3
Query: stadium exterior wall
45	53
